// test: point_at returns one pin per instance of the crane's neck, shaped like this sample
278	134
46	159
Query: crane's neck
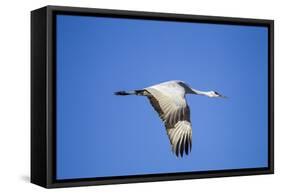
189	90
199	92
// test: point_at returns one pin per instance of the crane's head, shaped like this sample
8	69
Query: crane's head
214	94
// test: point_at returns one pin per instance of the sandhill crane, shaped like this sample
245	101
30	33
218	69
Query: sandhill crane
168	100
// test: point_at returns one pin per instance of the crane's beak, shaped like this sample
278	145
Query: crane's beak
223	96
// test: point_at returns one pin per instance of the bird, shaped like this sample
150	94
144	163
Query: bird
168	100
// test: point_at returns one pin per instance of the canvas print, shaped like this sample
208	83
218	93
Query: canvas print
144	97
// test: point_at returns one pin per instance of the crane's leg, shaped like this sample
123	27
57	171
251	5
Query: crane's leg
133	92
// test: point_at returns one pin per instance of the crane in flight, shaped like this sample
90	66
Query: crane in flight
168	100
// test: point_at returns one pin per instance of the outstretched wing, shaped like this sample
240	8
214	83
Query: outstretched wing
174	112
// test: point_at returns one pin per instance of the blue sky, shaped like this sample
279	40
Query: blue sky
100	134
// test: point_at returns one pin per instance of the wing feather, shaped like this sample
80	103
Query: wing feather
174	112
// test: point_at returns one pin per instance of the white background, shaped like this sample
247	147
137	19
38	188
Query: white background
15	95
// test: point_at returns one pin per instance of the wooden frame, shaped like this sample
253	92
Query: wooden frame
43	103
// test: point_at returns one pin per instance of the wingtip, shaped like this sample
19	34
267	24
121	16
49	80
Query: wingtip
182	150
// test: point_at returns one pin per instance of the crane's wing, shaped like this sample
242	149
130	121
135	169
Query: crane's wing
174	112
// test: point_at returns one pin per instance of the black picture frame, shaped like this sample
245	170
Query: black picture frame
43	103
